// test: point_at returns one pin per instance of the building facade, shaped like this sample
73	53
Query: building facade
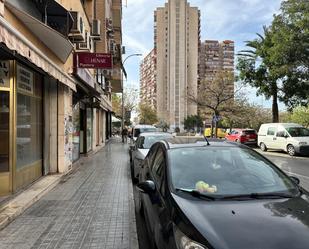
176	41
215	57
148	74
52	111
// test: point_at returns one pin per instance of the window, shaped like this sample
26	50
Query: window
158	167
271	131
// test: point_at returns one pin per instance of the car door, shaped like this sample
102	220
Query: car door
153	202
271	139
135	147
281	140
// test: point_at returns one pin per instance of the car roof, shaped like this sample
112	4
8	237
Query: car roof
189	142
145	134
143	126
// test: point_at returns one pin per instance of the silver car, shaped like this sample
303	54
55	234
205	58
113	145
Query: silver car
141	148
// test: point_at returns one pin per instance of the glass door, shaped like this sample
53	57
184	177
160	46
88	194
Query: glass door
4	142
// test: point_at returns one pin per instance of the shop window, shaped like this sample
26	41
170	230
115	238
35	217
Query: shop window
4	131
29	118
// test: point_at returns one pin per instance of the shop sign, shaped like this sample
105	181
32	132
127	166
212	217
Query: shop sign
24	80
4	74
94	60
85	76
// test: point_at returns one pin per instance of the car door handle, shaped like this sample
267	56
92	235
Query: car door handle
274	138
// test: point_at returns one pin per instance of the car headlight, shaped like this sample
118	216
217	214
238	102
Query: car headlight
183	242
302	143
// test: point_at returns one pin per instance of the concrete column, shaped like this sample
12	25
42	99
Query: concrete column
65	127
50	123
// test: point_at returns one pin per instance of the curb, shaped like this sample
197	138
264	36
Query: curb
279	154
28	197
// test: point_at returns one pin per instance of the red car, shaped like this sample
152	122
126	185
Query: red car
244	136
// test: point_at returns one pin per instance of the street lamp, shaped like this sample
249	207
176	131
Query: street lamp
122	102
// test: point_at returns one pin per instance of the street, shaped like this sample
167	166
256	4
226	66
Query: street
294	166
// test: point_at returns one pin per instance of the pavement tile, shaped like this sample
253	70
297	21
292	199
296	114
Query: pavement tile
91	208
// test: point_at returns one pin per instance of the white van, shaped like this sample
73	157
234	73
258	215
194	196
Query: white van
289	137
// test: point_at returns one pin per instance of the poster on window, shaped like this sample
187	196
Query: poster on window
4	74
24	80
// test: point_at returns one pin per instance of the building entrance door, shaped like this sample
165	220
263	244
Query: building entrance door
5	162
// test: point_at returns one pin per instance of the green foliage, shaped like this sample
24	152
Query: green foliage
277	62
147	115
116	103
300	115
192	122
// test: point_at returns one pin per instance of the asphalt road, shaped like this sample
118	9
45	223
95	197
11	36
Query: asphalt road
294	166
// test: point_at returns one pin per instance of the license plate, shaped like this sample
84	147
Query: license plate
251	140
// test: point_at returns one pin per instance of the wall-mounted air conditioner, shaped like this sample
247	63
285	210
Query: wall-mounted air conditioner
112	47
87	45
96	30
77	32
109	24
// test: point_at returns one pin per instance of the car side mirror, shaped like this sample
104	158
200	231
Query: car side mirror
146	187
295	180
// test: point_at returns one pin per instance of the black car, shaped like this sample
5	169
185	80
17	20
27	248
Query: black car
220	195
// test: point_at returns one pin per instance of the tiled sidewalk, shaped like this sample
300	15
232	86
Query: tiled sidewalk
91	208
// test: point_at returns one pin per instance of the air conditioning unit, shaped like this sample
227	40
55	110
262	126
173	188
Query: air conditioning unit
112	46
77	32
96	30
109	24
87	45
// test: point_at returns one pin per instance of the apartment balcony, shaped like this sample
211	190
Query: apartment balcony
48	20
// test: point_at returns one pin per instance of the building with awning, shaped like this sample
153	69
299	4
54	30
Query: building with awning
51	110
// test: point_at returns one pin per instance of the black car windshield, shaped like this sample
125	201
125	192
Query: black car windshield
226	171
298	132
148	141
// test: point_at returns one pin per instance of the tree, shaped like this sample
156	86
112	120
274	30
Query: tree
246	115
290	53
277	62
215	95
193	122
300	115
116	103
255	69
147	115
130	96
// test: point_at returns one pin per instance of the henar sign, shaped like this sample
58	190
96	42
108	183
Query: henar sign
94	60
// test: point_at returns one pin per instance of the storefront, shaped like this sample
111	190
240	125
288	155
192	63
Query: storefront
21	126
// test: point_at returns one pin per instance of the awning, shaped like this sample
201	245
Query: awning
55	41
15	41
114	119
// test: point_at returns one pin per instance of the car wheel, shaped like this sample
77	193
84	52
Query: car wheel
263	147
291	150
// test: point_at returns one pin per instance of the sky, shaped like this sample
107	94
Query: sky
237	20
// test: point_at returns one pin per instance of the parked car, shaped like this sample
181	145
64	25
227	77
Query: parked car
138	129
220	132
220	196
289	137
141	148
244	136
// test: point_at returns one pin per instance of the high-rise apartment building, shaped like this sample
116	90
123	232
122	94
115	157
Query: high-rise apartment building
214	57
176	41
148	73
